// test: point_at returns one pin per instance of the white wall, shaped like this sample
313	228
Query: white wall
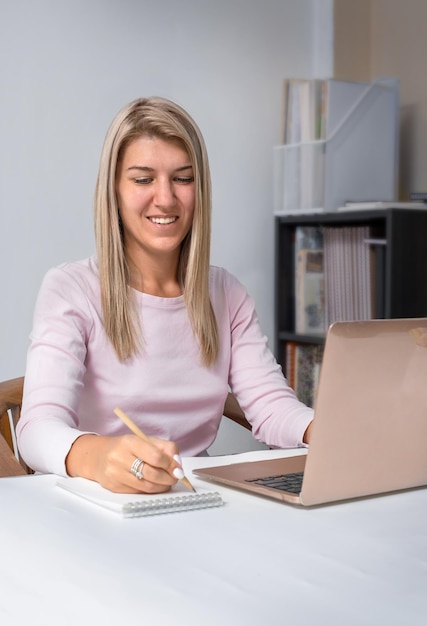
386	38
399	48
67	66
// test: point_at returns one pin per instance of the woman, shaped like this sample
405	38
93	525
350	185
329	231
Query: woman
147	325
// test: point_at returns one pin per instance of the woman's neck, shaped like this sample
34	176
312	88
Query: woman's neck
156	279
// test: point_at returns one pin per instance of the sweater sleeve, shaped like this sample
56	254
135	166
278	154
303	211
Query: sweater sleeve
54	373
277	417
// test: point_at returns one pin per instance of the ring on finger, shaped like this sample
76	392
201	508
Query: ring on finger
137	467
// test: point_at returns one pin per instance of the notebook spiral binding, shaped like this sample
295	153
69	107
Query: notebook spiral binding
174	504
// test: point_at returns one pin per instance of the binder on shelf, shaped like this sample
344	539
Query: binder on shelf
341	144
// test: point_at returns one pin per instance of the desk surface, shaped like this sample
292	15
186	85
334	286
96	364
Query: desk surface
66	562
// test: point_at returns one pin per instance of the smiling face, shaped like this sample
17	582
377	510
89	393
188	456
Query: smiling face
156	197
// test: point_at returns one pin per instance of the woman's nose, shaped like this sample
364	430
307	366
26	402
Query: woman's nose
164	194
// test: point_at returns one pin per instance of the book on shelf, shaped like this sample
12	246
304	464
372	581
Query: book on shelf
303	365
309	281
310	294
290	363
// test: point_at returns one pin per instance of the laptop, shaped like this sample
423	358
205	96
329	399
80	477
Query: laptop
369	434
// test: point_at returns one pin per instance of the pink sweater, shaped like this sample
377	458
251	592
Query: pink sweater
74	379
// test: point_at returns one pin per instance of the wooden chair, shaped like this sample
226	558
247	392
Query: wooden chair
11	400
233	411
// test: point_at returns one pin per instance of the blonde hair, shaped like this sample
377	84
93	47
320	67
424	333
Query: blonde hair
153	117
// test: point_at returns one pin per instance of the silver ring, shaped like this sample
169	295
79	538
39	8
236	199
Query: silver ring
137	467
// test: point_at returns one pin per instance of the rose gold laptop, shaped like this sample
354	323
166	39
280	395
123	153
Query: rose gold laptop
370	428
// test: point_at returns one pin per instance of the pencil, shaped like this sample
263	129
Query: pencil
138	432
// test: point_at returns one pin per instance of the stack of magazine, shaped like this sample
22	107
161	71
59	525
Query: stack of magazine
334	276
348	274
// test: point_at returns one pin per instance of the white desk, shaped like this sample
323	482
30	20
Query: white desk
253	562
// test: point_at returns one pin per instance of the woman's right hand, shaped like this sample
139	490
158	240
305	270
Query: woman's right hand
108	461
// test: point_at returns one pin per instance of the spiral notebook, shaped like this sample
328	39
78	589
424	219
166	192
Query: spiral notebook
141	505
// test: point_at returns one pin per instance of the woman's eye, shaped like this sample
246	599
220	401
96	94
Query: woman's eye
184	180
181	180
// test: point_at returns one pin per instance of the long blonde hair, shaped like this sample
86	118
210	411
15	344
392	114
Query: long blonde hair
153	117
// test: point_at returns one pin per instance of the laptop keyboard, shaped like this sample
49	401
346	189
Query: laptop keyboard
284	482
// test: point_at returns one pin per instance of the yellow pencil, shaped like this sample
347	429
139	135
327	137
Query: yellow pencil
138	432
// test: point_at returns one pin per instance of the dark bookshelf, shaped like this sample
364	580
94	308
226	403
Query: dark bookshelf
401	282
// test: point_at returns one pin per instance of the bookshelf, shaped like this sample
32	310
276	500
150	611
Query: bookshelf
397	270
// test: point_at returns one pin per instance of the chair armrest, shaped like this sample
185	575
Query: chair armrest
11	394
10	400
9	466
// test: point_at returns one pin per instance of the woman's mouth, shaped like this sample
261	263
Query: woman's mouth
163	220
